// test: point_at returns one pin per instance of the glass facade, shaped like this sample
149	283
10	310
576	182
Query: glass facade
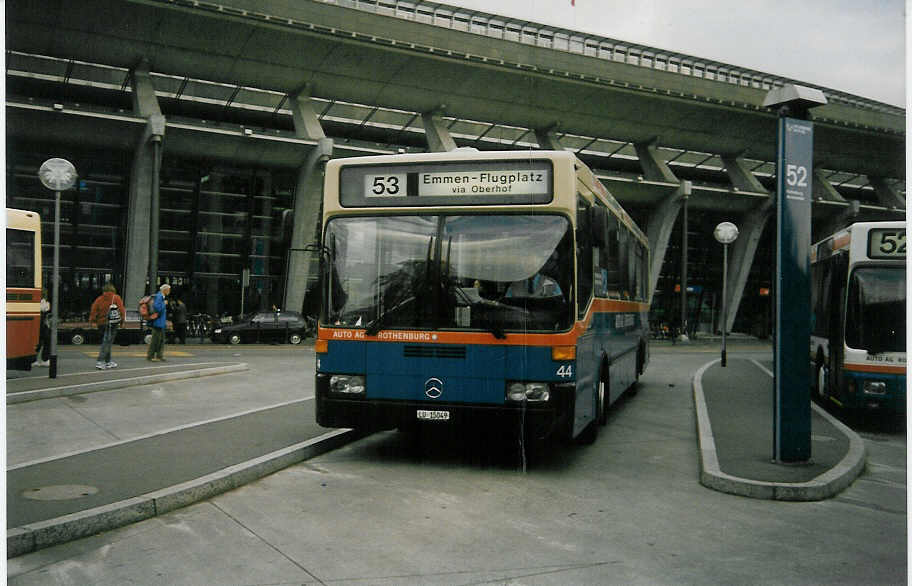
216	220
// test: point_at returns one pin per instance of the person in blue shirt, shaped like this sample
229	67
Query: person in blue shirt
157	347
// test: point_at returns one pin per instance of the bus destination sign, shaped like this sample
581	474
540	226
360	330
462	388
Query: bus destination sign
457	183
450	183
887	243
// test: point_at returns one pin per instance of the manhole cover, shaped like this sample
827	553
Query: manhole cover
59	492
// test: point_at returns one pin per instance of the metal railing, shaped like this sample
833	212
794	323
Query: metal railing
560	39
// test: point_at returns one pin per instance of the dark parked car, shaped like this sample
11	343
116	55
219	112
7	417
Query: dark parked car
263	326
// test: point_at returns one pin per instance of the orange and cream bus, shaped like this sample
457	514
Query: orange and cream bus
23	287
858	300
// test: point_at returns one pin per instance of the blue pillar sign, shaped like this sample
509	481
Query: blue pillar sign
792	409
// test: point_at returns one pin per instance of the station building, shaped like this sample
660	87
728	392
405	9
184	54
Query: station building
228	111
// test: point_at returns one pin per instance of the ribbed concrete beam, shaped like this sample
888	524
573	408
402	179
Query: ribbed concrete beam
654	167
740	176
438	135
658	230
742	255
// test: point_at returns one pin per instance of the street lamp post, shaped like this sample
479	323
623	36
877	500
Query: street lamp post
725	233
57	175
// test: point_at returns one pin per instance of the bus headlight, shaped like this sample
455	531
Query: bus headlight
875	387
347	384
531	392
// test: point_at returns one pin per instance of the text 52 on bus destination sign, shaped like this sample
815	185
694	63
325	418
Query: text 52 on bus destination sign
447	183
887	243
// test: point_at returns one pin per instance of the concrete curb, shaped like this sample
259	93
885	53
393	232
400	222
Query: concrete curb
110	384
822	487
30	538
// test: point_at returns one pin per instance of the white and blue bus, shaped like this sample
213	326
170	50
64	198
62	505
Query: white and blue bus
858	300
507	288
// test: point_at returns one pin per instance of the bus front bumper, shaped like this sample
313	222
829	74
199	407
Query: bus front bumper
534	420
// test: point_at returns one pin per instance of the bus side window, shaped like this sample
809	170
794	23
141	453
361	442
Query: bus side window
583	255
637	254
624	280
610	262
822	277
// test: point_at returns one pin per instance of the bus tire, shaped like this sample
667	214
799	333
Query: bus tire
588	436
832	388
590	433
603	396
295	339
820	377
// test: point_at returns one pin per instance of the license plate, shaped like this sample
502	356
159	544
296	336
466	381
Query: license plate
433	415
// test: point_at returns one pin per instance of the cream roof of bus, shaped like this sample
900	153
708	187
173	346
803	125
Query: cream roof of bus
563	158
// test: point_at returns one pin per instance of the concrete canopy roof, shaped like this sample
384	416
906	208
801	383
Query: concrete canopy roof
414	67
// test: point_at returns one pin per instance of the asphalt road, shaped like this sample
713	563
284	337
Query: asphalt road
440	508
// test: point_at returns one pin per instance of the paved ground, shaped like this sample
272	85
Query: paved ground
443	509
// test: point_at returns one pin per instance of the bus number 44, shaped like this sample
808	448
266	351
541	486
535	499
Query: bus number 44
565	371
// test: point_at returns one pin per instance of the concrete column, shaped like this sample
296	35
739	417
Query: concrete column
742	255
438	135
547	140
740	176
658	230
306	123
142	184
887	194
654	167
303	266
848	215
823	189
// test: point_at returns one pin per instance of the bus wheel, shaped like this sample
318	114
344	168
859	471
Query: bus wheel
602	408
295	338
77	338
589	435
821	379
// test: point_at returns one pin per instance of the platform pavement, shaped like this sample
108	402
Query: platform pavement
733	422
734	407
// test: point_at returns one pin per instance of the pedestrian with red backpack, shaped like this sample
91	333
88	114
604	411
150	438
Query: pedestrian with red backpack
107	313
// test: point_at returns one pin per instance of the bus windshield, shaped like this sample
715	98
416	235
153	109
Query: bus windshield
876	310
491	272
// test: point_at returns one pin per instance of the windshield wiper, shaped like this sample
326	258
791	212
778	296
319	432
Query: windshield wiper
377	324
490	325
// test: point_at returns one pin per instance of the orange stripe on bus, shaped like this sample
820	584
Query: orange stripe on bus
876	368
511	339
443	337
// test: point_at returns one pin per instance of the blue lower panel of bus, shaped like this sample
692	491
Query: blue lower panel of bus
468	382
893	397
